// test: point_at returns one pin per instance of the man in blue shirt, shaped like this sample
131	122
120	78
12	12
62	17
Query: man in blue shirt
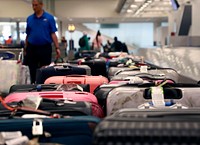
40	30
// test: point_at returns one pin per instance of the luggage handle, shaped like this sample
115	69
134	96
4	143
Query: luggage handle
75	82
75	75
169	93
63	68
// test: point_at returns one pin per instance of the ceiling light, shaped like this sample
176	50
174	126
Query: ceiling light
129	11
133	6
139	0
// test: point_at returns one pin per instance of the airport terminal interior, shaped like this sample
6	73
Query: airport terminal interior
165	33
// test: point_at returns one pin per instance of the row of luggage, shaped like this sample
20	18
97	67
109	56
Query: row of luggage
138	104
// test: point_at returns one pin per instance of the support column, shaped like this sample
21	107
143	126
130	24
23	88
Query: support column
156	25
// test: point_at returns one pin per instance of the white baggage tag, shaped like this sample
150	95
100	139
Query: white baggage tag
143	69
157	97
32	101
37	128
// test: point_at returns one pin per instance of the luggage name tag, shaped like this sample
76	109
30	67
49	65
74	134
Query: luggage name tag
37	128
143	69
157	95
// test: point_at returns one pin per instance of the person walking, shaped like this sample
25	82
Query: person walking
97	42
40	30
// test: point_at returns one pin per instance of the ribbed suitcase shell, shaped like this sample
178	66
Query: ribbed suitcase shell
149	127
93	81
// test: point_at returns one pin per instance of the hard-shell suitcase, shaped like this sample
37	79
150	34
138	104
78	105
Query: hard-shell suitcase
65	95
149	127
71	130
74	96
133	96
98	66
64	108
93	81
43	73
47	87
168	73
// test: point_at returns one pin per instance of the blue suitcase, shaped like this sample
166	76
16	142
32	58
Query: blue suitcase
71	130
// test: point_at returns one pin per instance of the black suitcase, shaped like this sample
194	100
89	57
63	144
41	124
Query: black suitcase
46	87
149	127
98	66
43	73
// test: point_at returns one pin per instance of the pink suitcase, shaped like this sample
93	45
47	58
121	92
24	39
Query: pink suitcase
68	95
93	81
71	95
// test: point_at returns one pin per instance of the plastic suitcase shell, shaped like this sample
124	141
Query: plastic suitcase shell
149	127
98	66
132	96
65	95
168	73
93	81
72	130
43	73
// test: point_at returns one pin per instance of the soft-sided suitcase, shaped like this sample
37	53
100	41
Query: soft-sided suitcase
43	73
93	81
167	73
149	127
47	87
71	130
133	96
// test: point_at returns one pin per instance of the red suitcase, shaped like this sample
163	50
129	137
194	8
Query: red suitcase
93	81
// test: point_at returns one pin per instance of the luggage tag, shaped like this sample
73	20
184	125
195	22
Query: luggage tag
144	69
37	128
157	95
32	101
134	80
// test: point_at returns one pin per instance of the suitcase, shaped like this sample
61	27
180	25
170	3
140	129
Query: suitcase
93	81
133	96
43	73
149	127
167	73
72	130
58	95
65	95
69	108
47	87
141	78
58	106
98	66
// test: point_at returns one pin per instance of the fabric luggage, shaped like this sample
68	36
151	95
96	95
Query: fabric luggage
12	72
48	87
43	73
93	81
149	127
71	130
